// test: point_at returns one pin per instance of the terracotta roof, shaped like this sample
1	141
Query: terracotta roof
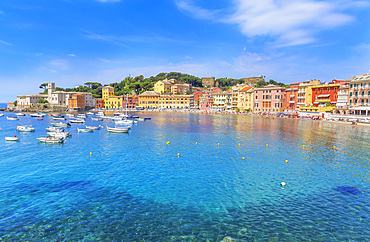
245	89
149	93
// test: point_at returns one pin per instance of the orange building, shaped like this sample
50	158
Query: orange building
77	101
99	102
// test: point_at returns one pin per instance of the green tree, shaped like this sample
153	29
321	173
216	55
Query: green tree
15	103
41	100
43	86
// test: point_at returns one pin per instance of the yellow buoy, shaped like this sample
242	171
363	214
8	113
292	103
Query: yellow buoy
239	144
90	153
286	161
178	154
168	142
196	143
218	144
267	145
334	147
243	158
304	146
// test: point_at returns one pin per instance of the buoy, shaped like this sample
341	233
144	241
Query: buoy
224	133
286	161
218	144
168	142
15	135
243	158
196	143
267	145
304	146
239	144
334	147
90	153
178	154
282	184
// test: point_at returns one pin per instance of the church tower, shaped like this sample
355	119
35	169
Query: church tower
51	89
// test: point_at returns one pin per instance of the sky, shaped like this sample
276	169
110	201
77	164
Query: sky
71	42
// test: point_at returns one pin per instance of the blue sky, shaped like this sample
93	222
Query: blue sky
75	41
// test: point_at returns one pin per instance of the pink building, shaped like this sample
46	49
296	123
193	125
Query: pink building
205	101
291	98
270	98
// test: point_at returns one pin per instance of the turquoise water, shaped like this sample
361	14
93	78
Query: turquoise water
135	187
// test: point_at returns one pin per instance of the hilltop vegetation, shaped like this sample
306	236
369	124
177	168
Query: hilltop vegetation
140	84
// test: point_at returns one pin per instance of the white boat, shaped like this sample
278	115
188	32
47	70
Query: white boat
25	128
59	134
69	115
11	118
94	127
15	138
59	118
77	121
97	119
37	115
20	114
54	129
117	130
100	114
85	130
140	119
116	118
50	139
1	114
81	116
60	124
89	113
124	122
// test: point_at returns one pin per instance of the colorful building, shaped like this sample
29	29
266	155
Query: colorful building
197	96
291	97
342	102
270	98
163	86
244	99
359	95
305	93
76	101
221	101
29	100
148	99
110	100
100	103
325	95
130	101
206	101
176	101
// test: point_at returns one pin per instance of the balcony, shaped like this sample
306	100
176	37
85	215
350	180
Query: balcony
291	101
301	92
301	104
301	97
344	87
291	95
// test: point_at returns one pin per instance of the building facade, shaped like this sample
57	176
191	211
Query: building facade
269	99
244	98
359	95
221	101
291	98
30	100
76	101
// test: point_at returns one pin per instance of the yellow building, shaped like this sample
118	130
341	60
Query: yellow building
221	101
110	100
163	86
148	99
245	99
175	101
305	93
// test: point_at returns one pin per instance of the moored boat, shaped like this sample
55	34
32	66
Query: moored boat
117	130
50	139
90	113
85	130
94	127
59	118
20	114
55	129
37	115
60	124
97	119
59	134
25	128
1	114
12	118
15	138
77	121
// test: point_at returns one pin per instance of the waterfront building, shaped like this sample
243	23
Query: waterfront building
342	102
110	100
305	93
76	101
57	98
244	99
99	102
326	94
130	101
29	100
175	101
197	96
359	95
269	99
221	101
291	98
148	99
163	86
180	88
208	81
206	101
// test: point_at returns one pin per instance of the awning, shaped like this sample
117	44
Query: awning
324	95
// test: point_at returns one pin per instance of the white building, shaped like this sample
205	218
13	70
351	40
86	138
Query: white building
29	100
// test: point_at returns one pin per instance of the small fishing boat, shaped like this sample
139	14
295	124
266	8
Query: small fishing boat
20	114
94	127
37	115
59	134
25	128
11	118
60	124
125	122
77	121
97	119
81	116
1	114
89	113
54	129
15	138
50	139
40	119
85	130
117	129
140	119
70	115
59	118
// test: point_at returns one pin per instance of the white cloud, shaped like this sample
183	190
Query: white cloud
72	55
294	22
5	43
